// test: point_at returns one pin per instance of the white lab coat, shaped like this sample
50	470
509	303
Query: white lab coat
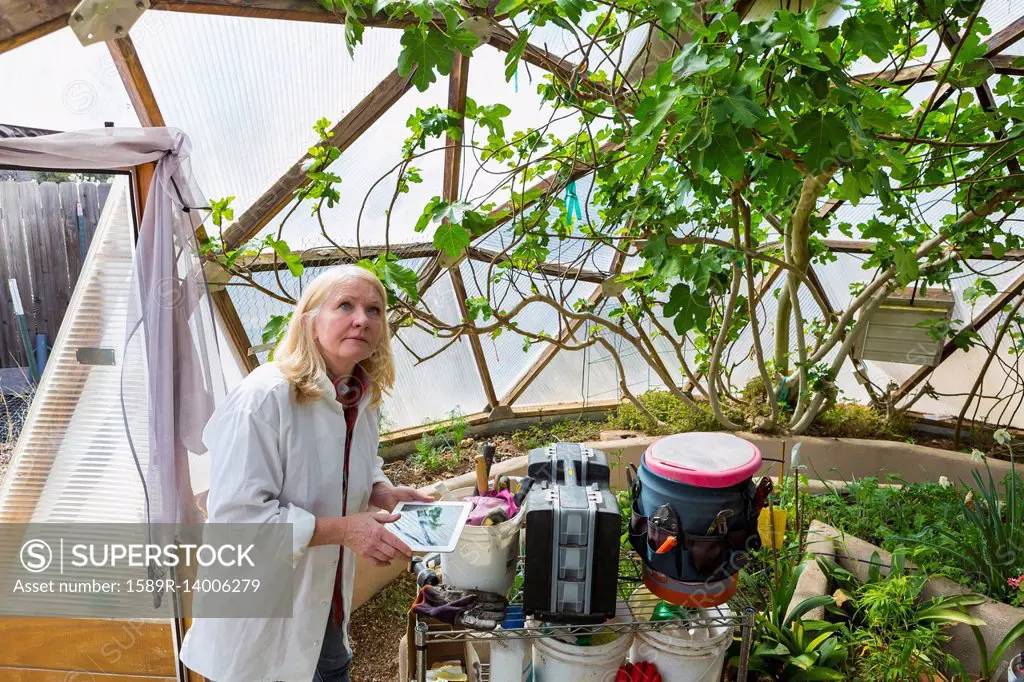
278	461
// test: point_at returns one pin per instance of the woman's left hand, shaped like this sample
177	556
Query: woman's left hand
385	496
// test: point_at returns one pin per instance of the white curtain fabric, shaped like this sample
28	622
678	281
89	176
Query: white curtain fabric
169	305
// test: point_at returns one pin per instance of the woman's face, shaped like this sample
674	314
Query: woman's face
348	326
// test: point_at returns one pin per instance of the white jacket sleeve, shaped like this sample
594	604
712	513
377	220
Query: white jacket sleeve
247	475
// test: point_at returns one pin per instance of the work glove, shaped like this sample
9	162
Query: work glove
464	608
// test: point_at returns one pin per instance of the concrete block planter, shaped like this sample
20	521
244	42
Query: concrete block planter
855	555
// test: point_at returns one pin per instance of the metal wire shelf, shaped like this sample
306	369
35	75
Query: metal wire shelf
636	616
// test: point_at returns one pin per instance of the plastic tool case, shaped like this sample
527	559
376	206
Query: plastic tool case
572	536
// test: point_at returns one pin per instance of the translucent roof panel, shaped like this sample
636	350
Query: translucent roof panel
369	175
576	250
482	182
591	375
248	95
566	44
446	383
506	359
55	83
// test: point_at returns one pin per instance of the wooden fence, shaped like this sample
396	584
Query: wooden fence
45	231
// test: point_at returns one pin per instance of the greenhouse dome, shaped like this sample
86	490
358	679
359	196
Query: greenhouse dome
753	214
233	77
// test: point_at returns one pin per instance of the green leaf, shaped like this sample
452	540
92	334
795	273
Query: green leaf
871	33
451	239
426	51
508	6
724	154
739	109
275	328
907	268
692	61
668	11
394	276
430	214
353	33
515	52
651	112
826	139
292	260
688	310
573	9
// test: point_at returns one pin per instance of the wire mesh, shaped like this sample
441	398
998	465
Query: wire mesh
636	613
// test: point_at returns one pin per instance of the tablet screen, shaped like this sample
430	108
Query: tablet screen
430	526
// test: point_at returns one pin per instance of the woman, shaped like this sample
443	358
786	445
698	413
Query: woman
296	443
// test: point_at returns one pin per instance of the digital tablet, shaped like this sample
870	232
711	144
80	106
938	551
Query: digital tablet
430	526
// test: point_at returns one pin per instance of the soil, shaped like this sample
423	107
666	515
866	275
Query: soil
377	627
406	472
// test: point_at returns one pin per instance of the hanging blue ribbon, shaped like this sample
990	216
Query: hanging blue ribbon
572	203
515	79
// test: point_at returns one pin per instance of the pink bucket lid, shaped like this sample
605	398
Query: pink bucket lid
707	460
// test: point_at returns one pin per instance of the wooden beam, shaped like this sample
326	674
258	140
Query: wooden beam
1005	38
126	59
268	261
863	247
451	184
286	10
1004	64
22	21
235	331
990	311
458	82
281	193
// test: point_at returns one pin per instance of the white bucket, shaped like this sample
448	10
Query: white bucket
485	558
558	661
687	654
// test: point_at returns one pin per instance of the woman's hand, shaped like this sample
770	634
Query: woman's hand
365	535
385	496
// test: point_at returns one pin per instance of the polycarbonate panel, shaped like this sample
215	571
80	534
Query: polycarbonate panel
487	182
55	83
577	250
1000	393
566	44
248	91
591	375
432	390
255	308
506	360
369	175
73	462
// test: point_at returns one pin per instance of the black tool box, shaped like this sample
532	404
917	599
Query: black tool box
572	536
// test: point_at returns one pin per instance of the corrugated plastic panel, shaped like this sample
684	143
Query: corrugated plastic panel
55	83
248	91
73	462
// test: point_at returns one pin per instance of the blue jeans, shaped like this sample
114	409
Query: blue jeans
335	659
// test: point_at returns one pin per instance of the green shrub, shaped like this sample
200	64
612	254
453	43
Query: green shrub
571	430
438	449
851	420
677	416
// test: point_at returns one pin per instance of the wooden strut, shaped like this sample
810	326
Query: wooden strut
458	83
990	311
141	95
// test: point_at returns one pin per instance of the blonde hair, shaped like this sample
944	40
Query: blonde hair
297	355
